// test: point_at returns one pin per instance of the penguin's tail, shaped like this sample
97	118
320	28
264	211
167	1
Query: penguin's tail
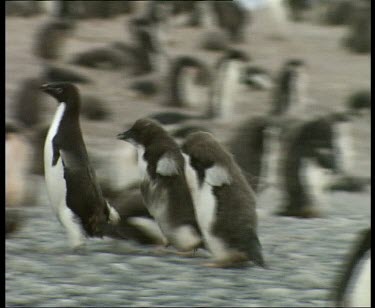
254	249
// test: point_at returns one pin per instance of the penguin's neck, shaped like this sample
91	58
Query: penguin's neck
57	120
224	90
297	94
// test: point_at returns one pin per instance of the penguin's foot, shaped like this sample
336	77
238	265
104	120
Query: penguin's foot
305	212
161	250
79	249
349	183
225	264
187	254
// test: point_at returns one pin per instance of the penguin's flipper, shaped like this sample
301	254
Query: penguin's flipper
56	151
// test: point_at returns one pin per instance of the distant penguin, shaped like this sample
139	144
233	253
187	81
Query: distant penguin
257	78
173	118
22	8
298	8
51	37
27	105
188	79
289	95
232	18
353	285
53	73
71	183
224	202
222	90
307	161
214	40
17	164
13	220
359	102
164	186
145	53
181	133
357	105
358	38
94	108
100	58
249	149
147	87
228	72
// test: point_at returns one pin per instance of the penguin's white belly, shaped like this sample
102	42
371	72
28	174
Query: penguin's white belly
360	286
206	208
54	175
316	179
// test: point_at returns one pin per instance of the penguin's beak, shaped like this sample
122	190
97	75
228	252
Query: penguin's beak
50	89
125	135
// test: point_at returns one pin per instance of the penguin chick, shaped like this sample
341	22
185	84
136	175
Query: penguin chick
224	202
249	147
71	183
51	37
94	108
308	159
27	103
101	58
164	186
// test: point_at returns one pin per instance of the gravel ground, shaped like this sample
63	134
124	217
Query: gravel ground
304	255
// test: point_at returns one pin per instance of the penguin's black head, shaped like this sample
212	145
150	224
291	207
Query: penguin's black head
62	91
295	63
143	132
235	54
359	102
205	151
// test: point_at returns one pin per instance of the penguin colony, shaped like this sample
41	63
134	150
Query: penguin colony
172	182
